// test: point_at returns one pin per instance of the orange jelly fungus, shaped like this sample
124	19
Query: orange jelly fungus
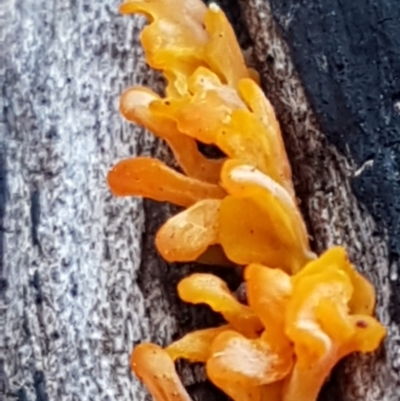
156	369
206	106
251	362
322	327
195	346
211	290
152	179
304	313
197	227
135	107
267	223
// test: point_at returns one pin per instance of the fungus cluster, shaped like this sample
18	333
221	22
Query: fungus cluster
304	313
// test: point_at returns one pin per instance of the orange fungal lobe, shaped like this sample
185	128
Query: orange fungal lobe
153	179
201	288
195	346
156	369
196	226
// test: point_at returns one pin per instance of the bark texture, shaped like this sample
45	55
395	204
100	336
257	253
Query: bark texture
70	251
80	282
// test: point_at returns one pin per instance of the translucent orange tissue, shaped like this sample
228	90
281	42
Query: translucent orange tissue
322	325
152	179
195	346
303	313
174	41
196	227
156	369
267	222
244	368
211	290
135	107
207	105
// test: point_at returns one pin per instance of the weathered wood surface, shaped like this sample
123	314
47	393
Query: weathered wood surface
80	282
71	252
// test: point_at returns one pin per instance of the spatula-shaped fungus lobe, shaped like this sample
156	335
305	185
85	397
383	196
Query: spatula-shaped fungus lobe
268	293
223	53
256	101
195	346
245	369
152	179
135	107
201	288
249	362
321	326
174	42
267	223
155	368
188	234
363	297
245	139
178	43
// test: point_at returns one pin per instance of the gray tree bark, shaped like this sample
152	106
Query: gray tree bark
80	282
